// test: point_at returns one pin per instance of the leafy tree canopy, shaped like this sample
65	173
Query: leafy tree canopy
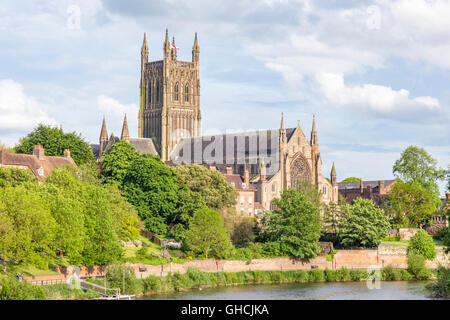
422	243
117	160
416	166
55	141
211	185
207	235
362	224
410	205
351	179
294	225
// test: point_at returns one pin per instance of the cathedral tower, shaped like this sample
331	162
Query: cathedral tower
169	97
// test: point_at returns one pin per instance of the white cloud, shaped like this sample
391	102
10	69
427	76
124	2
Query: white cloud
376	98
18	110
111	107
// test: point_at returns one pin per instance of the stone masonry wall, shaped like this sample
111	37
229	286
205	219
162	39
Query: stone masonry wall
352	259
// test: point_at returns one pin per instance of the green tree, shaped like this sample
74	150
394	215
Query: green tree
212	185
416	166
14	177
294	225
117	160
422	243
362	224
55	141
311	192
351	179
31	225
207	235
243	231
152	187
410	204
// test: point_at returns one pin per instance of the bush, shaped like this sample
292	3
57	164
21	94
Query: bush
151	283
330	275
357	275
272	249
343	274
422	244
118	276
316	275
390	274
441	288
301	276
416	266
397	238
12	289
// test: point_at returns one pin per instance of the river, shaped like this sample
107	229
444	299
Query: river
389	290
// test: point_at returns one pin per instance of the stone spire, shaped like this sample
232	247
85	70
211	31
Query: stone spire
314	138
103	137
282	130
144	48
333	175
125	132
195	50
167	46
174	49
103	132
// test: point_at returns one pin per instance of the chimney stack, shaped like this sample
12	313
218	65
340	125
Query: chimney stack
381	186
66	153
38	152
369	191
229	170
246	178
361	186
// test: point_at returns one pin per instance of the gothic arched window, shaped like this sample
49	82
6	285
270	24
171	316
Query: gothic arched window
157	92
186	93
175	94
150	93
300	171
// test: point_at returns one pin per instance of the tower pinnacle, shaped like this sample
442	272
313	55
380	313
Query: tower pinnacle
125	132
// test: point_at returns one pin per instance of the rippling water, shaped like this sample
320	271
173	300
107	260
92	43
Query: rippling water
390	290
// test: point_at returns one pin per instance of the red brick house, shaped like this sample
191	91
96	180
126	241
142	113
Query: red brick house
37	162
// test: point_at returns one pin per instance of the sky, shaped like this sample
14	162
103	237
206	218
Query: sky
375	73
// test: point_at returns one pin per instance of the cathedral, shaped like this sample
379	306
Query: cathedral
169	125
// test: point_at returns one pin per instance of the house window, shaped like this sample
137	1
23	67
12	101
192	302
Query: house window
244	185
242	211
242	201
232	184
175	96
274	187
324	190
250	211
250	200
186	93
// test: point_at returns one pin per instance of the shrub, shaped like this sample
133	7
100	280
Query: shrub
343	274
416	266
301	276
357	275
119	276
391	274
330	275
11	289
441	288
316	275
151	283
422	244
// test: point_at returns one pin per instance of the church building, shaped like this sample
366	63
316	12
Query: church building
169	124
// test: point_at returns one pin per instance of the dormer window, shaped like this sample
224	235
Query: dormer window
244	185
40	172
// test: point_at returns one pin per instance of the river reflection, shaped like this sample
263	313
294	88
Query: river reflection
389	290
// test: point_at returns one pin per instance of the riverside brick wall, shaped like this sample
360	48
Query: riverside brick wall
352	259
